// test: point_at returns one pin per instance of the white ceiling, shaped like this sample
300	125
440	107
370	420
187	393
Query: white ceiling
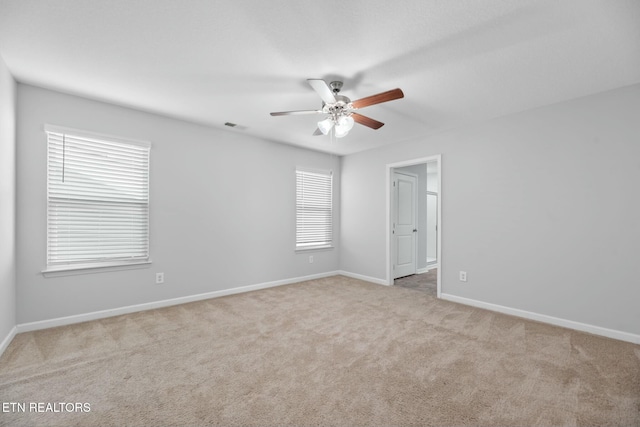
216	61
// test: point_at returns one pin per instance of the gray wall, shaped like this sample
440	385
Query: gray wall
7	202
222	209
540	208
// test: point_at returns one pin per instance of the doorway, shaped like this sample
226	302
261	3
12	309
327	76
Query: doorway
414	228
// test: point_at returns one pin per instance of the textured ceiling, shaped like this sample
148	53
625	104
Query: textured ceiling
216	61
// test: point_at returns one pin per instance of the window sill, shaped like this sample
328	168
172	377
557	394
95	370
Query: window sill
314	248
72	270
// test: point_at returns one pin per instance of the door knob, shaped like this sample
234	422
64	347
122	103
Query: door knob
415	229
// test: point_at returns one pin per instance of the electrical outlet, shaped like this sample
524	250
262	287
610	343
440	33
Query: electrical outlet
159	278
463	276
310	259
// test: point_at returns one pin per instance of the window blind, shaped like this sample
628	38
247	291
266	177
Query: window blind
97	200
314	212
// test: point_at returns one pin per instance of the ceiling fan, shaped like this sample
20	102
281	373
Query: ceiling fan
340	110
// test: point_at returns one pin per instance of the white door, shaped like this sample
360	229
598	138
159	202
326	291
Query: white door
403	228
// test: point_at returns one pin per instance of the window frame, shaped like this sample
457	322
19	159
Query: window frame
96	265
325	244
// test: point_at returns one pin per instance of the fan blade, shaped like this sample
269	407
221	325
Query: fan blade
367	121
389	95
323	90
317	132
296	113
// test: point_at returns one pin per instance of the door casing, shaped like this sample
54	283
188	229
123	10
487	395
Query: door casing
388	180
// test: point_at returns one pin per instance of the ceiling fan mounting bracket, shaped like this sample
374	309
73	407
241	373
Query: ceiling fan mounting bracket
336	86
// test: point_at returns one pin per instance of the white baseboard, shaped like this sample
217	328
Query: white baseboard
7	340
363	277
422	270
61	321
85	317
583	327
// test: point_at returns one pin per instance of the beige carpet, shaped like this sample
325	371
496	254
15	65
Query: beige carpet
330	352
424	282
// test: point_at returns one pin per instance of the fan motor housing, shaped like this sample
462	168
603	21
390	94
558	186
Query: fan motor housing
341	106
342	99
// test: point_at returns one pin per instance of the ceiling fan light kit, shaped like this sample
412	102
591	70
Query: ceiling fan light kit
325	125
342	123
340	110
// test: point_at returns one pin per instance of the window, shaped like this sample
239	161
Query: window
314	212
97	200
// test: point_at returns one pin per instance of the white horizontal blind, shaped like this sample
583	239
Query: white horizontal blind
97	200
314	211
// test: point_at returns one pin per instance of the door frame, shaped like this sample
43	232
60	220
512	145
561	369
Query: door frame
414	196
388	180
437	196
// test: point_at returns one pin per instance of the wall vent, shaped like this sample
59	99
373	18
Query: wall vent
236	126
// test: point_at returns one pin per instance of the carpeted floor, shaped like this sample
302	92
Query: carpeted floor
329	352
425	282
